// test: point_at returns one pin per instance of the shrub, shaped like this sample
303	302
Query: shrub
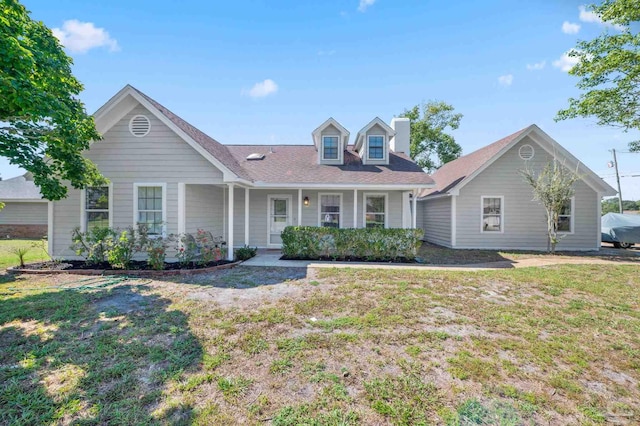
92	245
121	248
157	252
20	253
245	252
373	244
209	247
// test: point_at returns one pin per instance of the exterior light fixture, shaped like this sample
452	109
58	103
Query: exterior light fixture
306	201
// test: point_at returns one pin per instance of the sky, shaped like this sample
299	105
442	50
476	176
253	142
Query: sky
269	72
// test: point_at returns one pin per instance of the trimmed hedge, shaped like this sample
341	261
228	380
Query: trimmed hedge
371	244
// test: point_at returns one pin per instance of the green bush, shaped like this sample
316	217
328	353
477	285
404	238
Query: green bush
372	244
245	252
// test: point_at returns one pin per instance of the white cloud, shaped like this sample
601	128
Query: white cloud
364	4
505	80
592	17
262	89
566	62
536	66
570	27
80	37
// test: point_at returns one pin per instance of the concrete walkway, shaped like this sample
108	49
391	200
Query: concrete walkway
271	258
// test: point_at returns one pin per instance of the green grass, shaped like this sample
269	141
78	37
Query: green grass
36	252
558	345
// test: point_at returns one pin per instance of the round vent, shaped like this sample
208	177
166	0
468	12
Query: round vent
139	126
526	152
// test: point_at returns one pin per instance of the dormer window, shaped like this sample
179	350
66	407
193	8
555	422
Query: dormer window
330	147
376	147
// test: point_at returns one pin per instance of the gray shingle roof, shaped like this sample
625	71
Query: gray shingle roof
298	163
19	188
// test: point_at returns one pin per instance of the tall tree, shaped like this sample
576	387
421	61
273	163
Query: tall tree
609	70
431	145
553	188
43	125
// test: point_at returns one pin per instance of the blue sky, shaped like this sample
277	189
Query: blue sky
271	71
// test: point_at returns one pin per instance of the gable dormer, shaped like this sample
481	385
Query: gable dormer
372	142
331	140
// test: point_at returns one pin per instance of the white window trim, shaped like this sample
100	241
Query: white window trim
572	218
137	185
337	148
364	207
320	194
83	207
482	198
384	148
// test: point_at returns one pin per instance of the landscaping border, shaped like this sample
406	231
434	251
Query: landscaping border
132	272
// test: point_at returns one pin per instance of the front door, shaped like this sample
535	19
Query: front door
279	218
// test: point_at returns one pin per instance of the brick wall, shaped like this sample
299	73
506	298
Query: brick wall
23	231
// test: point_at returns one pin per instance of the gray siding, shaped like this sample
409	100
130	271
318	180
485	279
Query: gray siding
434	217
204	209
159	157
524	219
23	214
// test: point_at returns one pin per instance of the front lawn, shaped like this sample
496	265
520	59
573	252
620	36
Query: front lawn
36	252
554	345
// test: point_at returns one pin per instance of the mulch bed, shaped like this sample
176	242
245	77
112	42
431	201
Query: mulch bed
136	268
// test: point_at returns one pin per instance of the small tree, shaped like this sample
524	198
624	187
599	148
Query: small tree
553	188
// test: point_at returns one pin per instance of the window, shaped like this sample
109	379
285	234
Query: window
150	208
330	148
96	207
330	209
565	222
375	210
492	214
376	147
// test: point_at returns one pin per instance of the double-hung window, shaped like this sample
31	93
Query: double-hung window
376	147
375	210
565	218
330	147
96	207
492	214
330	210
150	208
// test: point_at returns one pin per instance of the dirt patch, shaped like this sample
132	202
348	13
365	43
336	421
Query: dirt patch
120	302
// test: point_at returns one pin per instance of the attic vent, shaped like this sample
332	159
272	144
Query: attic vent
255	156
139	126
526	152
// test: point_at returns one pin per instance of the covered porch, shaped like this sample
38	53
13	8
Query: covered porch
256	216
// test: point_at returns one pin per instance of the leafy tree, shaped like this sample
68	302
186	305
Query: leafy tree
609	70
431	146
553	188
611	205
43	125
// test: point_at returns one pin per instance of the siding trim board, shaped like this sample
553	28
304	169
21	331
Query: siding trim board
453	221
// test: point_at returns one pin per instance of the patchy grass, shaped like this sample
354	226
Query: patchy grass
553	345
438	255
36	252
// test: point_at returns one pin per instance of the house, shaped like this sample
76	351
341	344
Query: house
25	211
481	201
169	175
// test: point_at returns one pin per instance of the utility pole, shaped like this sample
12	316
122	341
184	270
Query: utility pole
615	164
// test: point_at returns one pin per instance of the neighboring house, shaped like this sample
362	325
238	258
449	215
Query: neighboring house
25	211
481	200
172	177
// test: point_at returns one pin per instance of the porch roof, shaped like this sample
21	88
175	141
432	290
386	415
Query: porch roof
298	164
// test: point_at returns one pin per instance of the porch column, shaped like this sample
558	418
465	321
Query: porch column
414	209
182	208
246	216
230	220
355	208
299	206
